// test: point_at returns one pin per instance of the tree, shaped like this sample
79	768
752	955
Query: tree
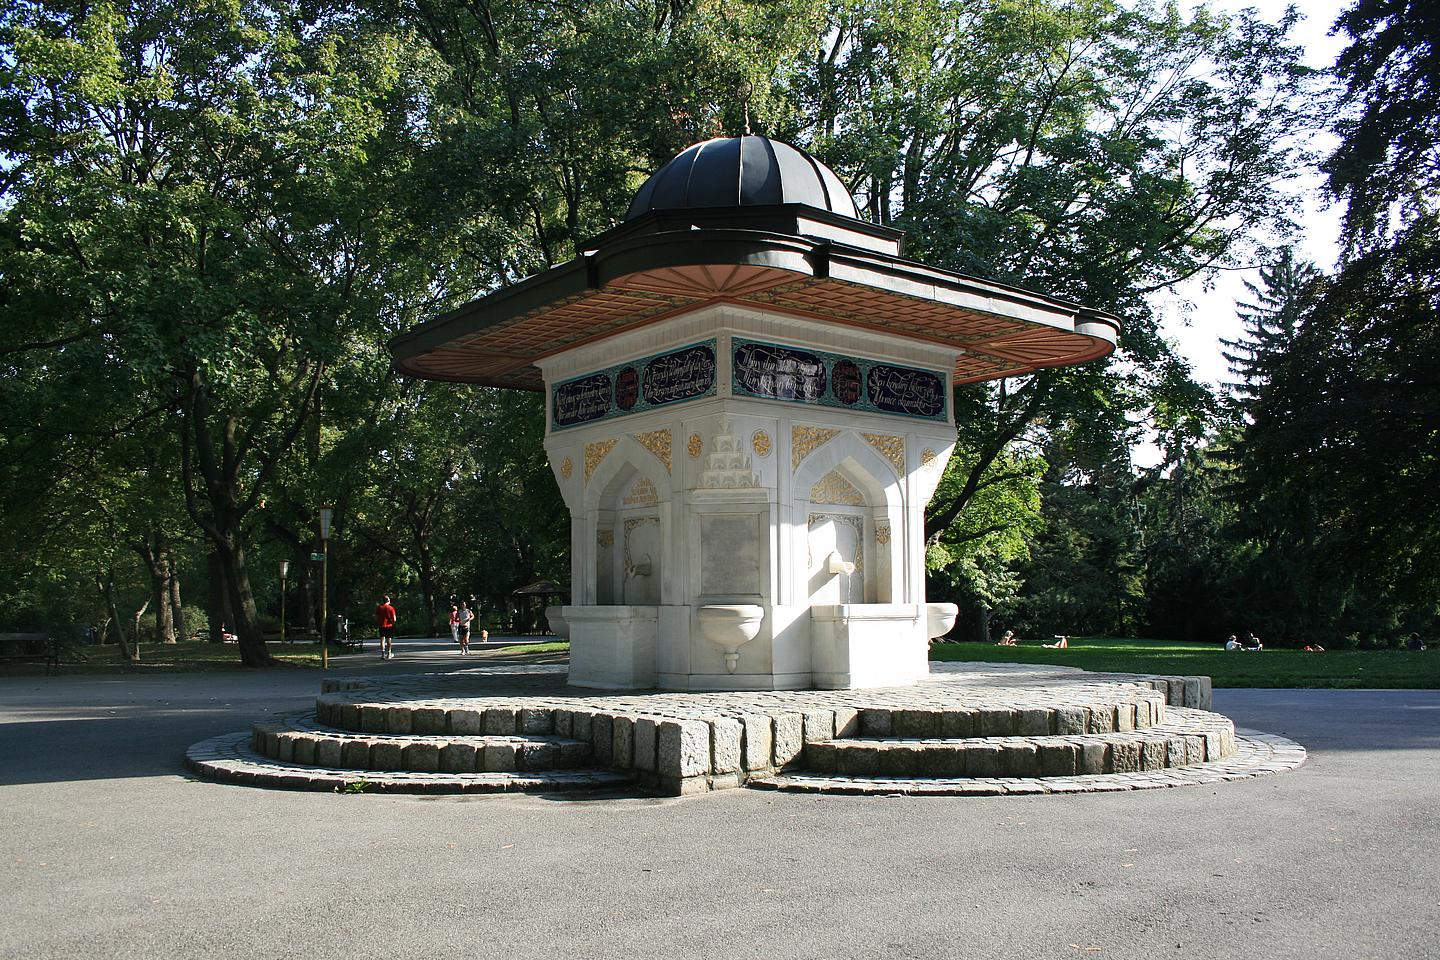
1286	290
1095	151
1350	428
204	195
1339	465
1387	166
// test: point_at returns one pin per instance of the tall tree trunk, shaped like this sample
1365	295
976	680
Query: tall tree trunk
177	610
156	554
138	614
164	615
231	553
221	619
427	589
105	581
975	617
310	593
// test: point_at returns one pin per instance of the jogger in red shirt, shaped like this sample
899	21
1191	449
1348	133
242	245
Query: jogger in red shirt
385	620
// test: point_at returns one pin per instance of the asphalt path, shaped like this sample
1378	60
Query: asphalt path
108	849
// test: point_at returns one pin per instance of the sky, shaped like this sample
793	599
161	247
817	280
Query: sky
1196	318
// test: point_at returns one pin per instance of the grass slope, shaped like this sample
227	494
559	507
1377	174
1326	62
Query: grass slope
1386	669
185	656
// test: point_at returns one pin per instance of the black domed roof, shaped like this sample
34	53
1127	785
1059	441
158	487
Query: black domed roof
742	172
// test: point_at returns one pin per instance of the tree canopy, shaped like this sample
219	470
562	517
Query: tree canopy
214	215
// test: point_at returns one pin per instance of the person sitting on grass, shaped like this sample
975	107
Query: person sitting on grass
1008	640
1253	644
1314	648
1233	644
1061	643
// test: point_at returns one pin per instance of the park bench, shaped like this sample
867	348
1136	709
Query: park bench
30	648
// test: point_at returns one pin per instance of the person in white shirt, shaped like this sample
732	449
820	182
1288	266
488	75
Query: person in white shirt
1232	643
462	627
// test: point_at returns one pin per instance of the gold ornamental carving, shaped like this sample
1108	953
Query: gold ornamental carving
566	468
834	488
882	532
927	457
643	493
806	440
658	443
760	443
889	447
605	539
695	446
594	453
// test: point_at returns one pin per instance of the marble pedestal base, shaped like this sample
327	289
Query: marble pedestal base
869	645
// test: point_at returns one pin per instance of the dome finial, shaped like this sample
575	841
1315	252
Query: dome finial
745	91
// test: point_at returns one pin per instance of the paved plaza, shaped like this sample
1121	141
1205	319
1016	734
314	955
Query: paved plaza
111	850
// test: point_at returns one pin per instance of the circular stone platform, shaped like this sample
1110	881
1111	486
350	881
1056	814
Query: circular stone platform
967	729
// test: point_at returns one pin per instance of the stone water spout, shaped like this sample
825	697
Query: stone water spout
634	571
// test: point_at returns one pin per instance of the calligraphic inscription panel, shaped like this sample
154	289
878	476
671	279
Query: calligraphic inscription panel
644	384
774	372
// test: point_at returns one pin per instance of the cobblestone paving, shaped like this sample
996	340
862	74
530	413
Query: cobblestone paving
966	729
952	686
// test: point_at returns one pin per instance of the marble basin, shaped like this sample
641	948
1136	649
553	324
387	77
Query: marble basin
730	626
940	619
558	624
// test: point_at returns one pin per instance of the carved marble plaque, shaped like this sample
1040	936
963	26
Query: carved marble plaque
729	555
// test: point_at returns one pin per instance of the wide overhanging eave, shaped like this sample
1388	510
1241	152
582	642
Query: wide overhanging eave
642	276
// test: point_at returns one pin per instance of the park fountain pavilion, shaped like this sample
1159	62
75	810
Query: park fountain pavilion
748	407
748	402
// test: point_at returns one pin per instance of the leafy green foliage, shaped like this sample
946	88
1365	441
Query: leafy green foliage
1388	160
215	214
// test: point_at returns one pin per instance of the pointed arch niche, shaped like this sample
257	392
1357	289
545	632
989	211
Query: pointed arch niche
848	500
627	502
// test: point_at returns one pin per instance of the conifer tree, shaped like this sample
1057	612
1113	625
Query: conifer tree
1286	290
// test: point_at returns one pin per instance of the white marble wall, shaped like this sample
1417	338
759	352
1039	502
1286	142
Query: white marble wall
730	500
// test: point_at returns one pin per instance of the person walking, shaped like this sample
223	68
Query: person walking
463	626
454	624
385	620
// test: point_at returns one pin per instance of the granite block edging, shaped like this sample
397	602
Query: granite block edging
1041	720
1257	754
230	758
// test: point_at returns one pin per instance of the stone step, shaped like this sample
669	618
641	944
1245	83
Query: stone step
1185	738
339	709
1256	754
232	759
1125	707
1146	708
299	740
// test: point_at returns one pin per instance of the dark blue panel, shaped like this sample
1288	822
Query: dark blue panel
780	373
581	401
917	393
680	375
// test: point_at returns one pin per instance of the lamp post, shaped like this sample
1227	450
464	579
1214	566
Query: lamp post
284	572
326	512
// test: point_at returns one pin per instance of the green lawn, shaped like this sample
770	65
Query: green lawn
559	646
1270	668
187	655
